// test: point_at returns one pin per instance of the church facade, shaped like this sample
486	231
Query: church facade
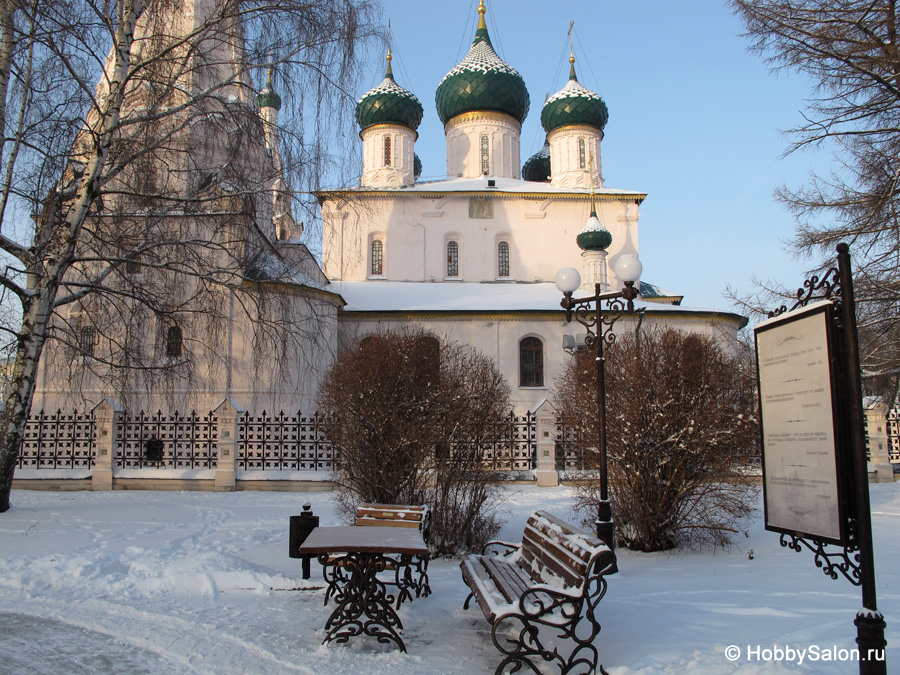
470	258
473	257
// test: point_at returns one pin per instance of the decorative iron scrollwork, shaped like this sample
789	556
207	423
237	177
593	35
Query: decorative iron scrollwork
826	287
845	561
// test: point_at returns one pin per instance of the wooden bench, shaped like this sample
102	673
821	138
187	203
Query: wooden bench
393	515
409	577
552	580
398	515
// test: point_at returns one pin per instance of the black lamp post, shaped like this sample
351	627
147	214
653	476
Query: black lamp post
599	320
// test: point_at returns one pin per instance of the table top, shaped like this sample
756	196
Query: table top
354	539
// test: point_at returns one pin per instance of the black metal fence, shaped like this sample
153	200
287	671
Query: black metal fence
264	442
58	441
513	445
893	434
284	442
168	441
570	447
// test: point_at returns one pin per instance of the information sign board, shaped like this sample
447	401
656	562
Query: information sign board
802	486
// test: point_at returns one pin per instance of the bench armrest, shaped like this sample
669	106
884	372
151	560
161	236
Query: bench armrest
509	547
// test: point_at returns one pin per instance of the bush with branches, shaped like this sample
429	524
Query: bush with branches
410	416
680	428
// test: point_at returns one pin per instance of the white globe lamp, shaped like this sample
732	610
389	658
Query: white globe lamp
568	280
627	268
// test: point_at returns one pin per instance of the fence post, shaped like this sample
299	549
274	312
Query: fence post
107	415
227	414
879	444
545	421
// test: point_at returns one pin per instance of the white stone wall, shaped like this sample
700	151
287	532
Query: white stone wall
400	171
464	145
415	229
566	169
498	335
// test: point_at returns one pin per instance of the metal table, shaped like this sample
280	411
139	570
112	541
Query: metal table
351	559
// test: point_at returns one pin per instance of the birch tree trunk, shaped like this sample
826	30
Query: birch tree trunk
90	165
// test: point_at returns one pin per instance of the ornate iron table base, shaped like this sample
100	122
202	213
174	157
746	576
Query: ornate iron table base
363	603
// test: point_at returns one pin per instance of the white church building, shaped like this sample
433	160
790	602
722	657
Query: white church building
472	257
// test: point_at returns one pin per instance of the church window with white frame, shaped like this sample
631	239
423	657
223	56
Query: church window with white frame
377	258
87	338
452	259
387	150
503	259
531	362
174	342
582	154
485	155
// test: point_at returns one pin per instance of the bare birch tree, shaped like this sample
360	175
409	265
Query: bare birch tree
133	198
849	50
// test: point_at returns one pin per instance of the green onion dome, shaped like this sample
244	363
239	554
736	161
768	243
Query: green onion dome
537	167
593	236
574	104
482	81
389	103
267	98
417	166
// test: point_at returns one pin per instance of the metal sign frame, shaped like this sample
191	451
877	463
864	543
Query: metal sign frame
807	362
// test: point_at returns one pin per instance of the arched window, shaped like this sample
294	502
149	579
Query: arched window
452	259
485	155
387	150
174	346
377	257
531	362
503	259
133	264
582	160
87	336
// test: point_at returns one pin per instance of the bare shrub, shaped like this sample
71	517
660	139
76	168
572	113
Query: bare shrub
680	427
410	415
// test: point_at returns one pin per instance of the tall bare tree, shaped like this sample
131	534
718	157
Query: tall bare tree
849	50
128	186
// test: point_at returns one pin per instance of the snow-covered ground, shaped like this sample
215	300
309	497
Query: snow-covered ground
199	582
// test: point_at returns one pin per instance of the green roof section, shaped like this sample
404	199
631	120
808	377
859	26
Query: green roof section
593	236
267	97
537	167
482	81
389	103
574	104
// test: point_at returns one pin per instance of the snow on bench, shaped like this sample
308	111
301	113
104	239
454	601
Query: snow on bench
554	579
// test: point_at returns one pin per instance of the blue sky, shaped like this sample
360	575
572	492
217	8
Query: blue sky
695	121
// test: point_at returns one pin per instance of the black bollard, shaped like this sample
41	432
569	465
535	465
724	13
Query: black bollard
301	527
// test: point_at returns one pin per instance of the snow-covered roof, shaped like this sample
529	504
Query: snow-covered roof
404	296
480	185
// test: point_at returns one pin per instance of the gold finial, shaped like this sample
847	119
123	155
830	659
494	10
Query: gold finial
390	72
269	77
481	10
571	52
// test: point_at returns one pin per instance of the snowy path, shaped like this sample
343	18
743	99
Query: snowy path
156	582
